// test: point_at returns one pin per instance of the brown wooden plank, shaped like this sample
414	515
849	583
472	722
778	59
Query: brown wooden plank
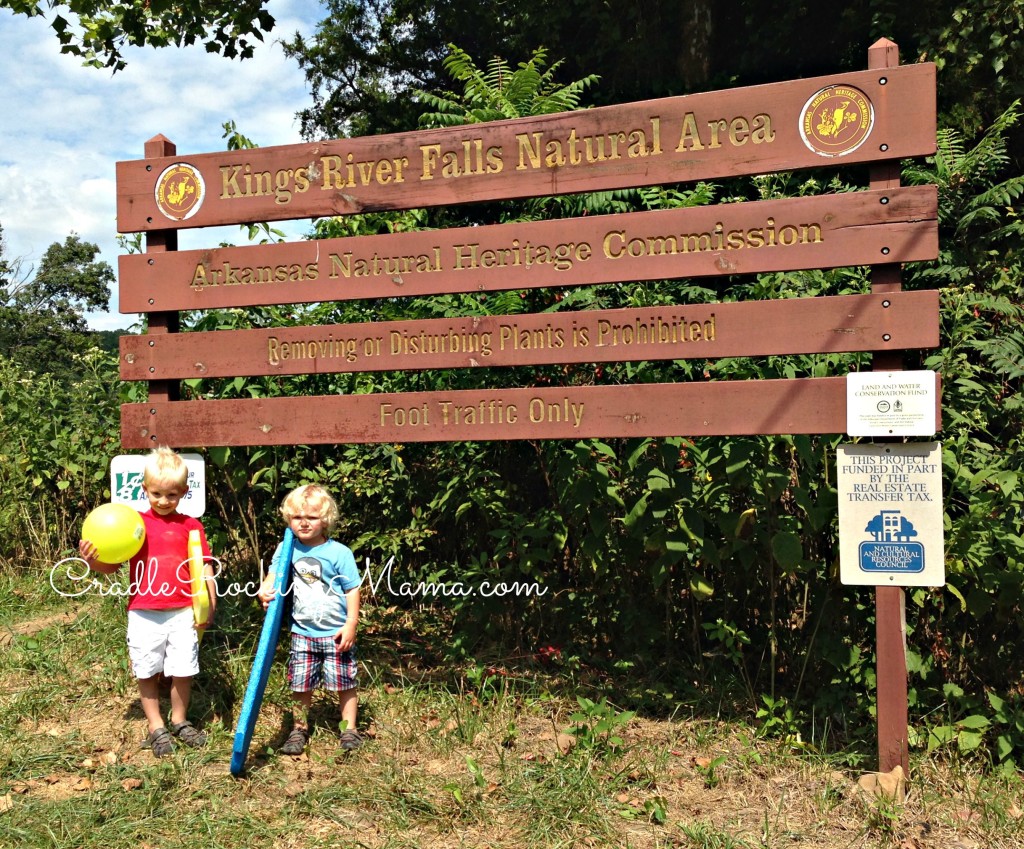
808	405
855	228
708	135
705	331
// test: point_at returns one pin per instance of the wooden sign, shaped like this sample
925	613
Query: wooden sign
878	117
853	228
882	114
808	405
705	331
853	117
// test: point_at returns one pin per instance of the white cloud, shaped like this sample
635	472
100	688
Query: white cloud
65	126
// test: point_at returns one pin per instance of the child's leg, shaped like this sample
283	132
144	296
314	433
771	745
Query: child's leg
295	744
349	708
303	674
343	679
181	665
149	695
181	659
147	648
305	702
181	694
181	691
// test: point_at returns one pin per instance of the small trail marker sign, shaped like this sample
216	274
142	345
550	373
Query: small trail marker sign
126	483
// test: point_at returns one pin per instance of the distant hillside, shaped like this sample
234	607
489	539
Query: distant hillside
107	340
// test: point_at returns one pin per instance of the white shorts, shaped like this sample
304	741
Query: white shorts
163	641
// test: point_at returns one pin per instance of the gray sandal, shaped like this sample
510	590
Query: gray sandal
160	742
189	734
350	740
296	742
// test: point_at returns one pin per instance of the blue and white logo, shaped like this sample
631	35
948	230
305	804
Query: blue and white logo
891	549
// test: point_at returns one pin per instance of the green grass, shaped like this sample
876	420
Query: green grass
474	756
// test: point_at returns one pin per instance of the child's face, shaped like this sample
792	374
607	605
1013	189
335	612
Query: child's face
163	496
308	526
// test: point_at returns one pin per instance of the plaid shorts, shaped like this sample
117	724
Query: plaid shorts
316	661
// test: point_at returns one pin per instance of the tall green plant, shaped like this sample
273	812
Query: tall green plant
499	92
967	658
56	440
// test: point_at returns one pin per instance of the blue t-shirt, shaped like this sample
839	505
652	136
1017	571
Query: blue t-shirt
321	575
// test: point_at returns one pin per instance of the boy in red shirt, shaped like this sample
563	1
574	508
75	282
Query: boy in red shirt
162	636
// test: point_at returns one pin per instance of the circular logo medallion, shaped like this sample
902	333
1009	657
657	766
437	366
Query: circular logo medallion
180	191
836	121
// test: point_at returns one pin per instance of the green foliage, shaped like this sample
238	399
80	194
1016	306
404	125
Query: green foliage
709	771
98	30
41	323
56	440
703	835
975	46
966	662
499	92
597	726
976	205
367	57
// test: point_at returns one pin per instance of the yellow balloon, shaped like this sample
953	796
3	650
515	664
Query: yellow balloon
116	530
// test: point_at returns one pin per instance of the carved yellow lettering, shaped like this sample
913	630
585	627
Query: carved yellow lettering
689	138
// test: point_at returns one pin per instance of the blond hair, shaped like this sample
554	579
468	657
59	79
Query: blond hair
163	465
317	499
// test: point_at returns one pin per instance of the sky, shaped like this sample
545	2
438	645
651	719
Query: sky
63	127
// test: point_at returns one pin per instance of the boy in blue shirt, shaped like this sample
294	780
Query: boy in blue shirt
325	613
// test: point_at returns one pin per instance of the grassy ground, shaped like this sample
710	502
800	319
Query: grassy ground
450	760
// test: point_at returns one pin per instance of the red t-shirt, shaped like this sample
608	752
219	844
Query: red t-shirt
159	572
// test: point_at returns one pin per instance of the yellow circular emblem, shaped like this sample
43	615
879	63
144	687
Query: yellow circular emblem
836	120
180	191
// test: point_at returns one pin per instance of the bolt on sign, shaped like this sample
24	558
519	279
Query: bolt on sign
872	116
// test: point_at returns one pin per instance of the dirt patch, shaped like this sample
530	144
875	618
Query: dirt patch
32	627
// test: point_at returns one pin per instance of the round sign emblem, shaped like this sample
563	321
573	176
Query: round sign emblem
180	191
836	121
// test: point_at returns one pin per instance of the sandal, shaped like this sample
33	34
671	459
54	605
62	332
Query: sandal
296	742
350	740
189	734
160	742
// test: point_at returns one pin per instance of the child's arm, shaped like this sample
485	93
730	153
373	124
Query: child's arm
87	551
346	637
266	591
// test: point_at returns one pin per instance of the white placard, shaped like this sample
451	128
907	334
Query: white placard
890	515
891	403
126	483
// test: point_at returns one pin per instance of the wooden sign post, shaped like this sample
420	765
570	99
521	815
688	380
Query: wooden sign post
873	117
890	615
